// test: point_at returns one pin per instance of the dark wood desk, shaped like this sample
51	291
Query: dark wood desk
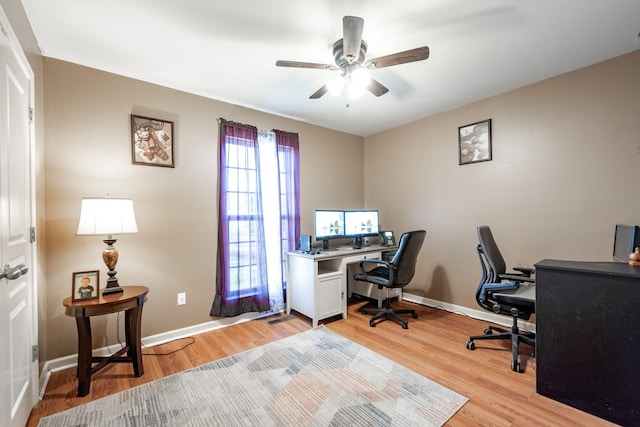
587	337
130	301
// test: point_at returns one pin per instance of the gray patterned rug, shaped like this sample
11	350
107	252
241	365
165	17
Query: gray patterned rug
316	378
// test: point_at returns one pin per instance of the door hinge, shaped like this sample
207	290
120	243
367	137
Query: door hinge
30	114
32	234
34	352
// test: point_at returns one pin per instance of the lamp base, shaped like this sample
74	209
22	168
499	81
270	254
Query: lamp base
110	258
112	290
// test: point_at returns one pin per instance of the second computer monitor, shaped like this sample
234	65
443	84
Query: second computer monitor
626	240
361	223
328	224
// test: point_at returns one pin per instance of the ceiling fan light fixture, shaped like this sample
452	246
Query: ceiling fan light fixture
360	77
335	85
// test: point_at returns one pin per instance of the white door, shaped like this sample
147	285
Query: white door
18	325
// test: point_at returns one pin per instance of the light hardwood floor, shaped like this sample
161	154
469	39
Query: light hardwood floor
434	346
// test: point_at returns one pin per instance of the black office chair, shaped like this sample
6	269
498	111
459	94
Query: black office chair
396	273
504	293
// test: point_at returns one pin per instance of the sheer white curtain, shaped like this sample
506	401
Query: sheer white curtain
272	216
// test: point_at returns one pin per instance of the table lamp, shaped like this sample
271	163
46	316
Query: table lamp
107	216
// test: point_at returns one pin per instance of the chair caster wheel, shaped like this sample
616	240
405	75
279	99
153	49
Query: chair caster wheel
372	323
405	326
414	315
515	367
488	331
471	345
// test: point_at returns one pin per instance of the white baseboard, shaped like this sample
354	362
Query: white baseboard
70	361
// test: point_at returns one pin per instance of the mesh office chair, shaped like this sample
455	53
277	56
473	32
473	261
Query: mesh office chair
396	273
504	293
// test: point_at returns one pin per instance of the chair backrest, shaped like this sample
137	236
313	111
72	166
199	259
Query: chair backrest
406	256
489	248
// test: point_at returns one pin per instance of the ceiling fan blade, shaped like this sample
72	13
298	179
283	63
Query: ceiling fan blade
412	55
352	37
295	64
317	94
376	88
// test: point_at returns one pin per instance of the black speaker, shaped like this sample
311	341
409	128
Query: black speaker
305	243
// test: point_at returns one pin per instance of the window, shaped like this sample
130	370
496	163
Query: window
244	219
258	217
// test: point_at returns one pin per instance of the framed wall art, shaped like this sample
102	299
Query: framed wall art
474	142
151	141
85	285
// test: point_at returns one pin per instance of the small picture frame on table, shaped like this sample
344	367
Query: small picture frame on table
85	285
474	142
151	141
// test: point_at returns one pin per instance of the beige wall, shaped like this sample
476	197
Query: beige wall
88	154
565	170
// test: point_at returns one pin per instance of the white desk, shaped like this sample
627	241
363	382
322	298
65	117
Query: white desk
317	284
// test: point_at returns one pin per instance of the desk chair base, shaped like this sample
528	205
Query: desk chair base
514	335
387	311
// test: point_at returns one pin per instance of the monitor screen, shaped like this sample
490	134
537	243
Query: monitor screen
329	224
627	238
361	223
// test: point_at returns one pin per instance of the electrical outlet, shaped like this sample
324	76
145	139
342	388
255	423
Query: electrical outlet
182	298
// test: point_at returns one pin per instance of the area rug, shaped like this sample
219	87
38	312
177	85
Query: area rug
316	378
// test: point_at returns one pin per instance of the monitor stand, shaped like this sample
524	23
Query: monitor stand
357	243
325	246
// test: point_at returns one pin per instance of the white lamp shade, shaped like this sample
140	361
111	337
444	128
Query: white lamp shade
106	216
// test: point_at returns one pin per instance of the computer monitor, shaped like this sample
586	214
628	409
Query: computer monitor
328	224
626	240
361	223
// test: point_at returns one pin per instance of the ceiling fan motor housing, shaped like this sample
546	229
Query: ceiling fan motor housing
341	60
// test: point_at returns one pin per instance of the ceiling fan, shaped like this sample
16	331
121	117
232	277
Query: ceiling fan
349	53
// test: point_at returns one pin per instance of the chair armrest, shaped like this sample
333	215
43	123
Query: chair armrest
490	288
374	261
383	270
517	278
527	271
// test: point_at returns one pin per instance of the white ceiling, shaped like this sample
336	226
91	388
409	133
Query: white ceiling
227	50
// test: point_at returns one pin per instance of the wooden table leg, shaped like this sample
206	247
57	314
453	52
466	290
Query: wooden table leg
133	327
84	355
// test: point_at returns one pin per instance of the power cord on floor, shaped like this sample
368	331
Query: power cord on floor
193	340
